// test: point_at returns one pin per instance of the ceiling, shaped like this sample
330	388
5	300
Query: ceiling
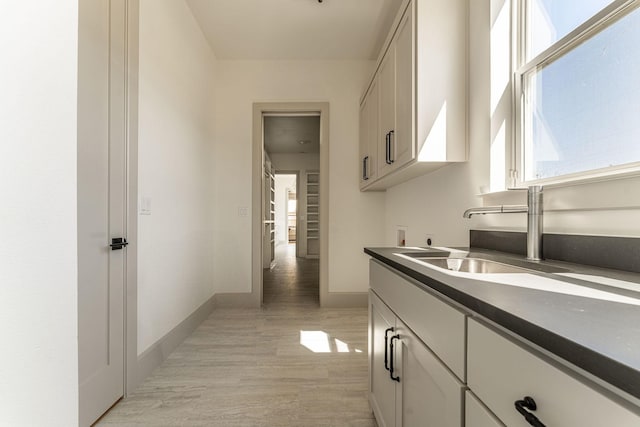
295	29
282	134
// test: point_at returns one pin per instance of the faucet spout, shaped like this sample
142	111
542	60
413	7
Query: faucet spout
534	223
495	210
534	210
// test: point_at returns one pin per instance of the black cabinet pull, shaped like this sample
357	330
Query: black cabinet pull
118	243
391	135
395	337
522	406
386	148
365	175
386	348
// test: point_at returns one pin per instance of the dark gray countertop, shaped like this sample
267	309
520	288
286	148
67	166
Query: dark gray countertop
594	326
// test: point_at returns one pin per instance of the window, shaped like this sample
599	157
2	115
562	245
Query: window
578	87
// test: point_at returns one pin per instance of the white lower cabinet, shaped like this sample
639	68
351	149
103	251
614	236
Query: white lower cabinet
438	324
476	415
382	390
501	373
429	394
422	349
409	386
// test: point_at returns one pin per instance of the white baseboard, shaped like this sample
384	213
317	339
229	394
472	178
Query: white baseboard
153	357
236	300
345	299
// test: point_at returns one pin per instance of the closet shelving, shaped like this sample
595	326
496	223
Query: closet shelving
313	214
269	218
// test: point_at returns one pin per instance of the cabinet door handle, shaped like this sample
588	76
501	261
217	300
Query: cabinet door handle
386	348
391	138
395	337
118	243
387	148
365	161
522	406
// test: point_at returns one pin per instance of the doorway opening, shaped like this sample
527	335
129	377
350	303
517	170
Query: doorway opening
292	278
291	207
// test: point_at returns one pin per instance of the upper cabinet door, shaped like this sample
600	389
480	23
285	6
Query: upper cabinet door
364	143
373	129
387	111
403	145
369	136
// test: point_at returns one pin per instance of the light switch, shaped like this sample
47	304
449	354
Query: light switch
243	211
145	205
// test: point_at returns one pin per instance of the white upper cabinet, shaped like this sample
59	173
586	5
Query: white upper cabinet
369	136
421	94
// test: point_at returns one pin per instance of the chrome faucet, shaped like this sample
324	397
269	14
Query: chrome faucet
533	208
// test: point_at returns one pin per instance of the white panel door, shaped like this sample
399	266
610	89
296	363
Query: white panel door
101	205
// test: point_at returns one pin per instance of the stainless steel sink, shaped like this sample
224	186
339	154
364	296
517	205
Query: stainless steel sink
426	253
471	265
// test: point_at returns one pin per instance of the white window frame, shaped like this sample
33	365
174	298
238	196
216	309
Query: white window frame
603	19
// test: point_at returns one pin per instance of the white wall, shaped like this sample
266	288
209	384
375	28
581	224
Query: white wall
295	161
433	204
38	221
177	68
355	217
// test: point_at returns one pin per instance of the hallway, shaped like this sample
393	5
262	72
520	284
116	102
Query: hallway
287	364
293	281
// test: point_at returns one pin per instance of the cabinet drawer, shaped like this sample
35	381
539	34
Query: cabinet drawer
500	372
439	325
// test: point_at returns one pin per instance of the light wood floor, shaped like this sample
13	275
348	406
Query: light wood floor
287	364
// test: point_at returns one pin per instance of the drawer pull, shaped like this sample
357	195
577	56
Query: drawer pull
395	337
522	406
386	348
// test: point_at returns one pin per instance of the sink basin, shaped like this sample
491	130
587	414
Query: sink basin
426	253
471	265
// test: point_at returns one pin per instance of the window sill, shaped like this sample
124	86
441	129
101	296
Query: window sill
606	174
